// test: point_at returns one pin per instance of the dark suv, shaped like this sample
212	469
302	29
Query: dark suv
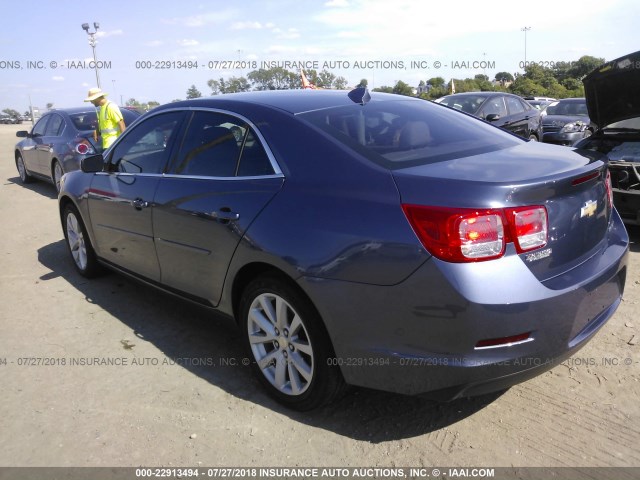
501	109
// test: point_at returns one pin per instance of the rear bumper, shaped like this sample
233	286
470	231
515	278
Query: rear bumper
420	336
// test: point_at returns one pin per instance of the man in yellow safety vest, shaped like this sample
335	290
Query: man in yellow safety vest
110	121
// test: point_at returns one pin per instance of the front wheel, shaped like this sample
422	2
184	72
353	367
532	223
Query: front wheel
290	348
22	170
84	257
533	138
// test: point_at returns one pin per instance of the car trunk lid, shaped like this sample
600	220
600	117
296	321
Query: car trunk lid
569	184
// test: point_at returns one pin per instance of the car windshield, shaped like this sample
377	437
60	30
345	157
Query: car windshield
466	103
568	108
85	121
399	134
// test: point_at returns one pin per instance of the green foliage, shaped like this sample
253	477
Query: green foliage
233	85
11	112
193	92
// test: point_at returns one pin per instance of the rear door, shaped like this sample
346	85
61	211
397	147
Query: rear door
121	200
52	133
222	177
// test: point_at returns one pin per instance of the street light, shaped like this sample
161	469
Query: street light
525	30
93	42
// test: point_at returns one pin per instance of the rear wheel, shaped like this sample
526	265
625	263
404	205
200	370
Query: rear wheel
22	170
290	349
80	248
57	174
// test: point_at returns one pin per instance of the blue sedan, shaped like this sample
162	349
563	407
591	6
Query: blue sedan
358	239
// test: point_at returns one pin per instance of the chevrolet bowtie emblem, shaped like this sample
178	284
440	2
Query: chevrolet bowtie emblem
588	209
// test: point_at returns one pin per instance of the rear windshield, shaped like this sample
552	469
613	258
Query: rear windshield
85	121
406	133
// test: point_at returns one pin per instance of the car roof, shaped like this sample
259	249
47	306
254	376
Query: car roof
293	101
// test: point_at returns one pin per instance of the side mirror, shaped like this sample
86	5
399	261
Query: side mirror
92	164
22	134
492	117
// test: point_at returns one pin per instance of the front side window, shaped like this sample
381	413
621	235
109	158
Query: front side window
39	127
494	105
146	147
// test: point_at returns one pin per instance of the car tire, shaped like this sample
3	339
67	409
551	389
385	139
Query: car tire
82	253
533	138
22	170
56	174
288	345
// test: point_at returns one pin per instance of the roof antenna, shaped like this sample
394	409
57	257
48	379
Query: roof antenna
360	95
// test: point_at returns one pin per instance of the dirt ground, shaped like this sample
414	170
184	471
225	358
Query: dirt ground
160	403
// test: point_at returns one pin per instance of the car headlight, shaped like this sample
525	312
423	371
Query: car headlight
574	127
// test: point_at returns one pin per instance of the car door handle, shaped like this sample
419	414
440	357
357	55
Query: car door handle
225	215
139	203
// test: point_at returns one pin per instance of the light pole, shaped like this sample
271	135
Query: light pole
525	30
93	42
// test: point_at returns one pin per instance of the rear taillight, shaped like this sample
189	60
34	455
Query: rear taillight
529	227
83	147
609	188
466	235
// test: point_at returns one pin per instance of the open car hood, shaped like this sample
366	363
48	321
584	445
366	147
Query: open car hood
613	90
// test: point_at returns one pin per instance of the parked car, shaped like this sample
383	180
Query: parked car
502	109
57	142
368	239
613	101
566	122
541	99
8	119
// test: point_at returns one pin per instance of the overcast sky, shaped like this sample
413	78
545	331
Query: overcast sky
43	46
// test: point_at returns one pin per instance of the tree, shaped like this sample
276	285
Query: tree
233	85
363	83
11	112
584	65
401	88
49	106
503	77
340	83
193	92
383	89
274	79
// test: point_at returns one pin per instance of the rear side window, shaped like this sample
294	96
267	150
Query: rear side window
220	145
514	105
404	133
55	126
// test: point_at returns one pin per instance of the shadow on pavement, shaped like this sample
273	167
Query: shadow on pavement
185	331
43	188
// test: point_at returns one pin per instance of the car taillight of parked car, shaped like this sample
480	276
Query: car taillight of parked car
467	235
83	147
609	188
